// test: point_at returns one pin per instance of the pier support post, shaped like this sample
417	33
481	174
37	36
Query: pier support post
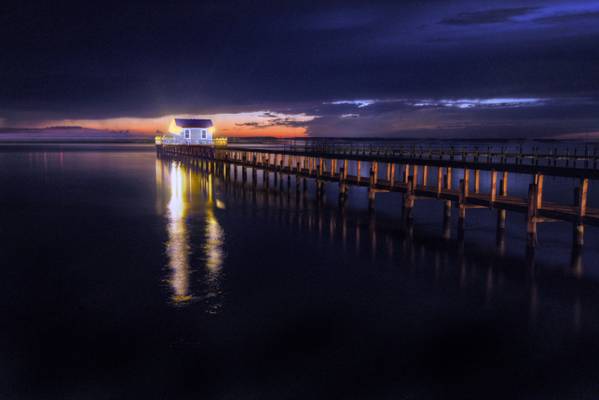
493	187
371	190
345	169
538	180
501	214
342	186
462	203
275	166
297	178
531	227
281	163
319	182
409	199
439	181
254	171
447	206
504	184
244	173
375	169
265	175
415	174
580	199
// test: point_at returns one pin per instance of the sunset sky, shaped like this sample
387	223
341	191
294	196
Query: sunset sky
332	68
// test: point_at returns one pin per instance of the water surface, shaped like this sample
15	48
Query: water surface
126	276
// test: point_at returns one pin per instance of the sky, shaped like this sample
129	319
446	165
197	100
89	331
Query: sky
321	68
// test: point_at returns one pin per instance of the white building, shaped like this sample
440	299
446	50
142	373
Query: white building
190	131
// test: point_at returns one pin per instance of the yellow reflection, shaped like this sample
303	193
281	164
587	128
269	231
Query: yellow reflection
184	203
177	247
213	248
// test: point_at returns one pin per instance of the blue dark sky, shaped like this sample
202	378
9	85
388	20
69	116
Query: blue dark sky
398	68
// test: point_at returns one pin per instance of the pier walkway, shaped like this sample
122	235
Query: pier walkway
417	173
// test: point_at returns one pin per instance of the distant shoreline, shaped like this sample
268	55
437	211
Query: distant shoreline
78	141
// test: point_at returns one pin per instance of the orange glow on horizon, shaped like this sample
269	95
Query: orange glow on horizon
240	124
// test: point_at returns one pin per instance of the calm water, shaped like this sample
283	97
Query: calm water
125	276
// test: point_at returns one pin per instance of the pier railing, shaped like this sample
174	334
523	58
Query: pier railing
587	157
417	173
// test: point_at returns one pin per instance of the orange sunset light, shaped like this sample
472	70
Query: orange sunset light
260	123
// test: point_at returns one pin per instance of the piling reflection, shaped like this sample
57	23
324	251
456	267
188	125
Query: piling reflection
192	199
489	269
213	248
177	247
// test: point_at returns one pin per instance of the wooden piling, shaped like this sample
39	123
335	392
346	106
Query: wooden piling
462	201
220	161
375	170
371	190
504	184
439	180
580	199
409	199
493	191
342	186
531	227
538	180
501	214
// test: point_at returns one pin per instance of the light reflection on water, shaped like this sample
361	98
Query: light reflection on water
381	241
186	206
177	246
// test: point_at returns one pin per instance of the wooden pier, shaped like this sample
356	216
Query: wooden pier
416	174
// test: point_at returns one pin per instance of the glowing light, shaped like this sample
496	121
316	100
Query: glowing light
174	128
177	247
220	141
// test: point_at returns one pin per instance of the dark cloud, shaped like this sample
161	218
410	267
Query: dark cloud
487	16
570	18
249	124
290	122
77	60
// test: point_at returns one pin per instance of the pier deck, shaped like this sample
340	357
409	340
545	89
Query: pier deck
414	168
